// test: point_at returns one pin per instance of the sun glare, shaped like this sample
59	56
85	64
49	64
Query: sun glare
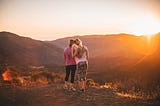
147	26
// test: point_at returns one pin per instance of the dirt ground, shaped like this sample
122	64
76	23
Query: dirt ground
55	95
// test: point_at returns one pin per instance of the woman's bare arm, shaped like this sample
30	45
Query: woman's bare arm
74	52
87	53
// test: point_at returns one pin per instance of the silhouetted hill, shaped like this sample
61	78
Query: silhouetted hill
111	50
110	45
111	56
119	55
17	50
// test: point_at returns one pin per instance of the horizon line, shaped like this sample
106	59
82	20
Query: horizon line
79	35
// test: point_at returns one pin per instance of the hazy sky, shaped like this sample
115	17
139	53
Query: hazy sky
52	19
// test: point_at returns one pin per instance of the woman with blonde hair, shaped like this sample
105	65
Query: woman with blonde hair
81	56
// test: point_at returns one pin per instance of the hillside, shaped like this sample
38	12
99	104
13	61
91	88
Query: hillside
110	55
126	60
120	66
17	50
110	45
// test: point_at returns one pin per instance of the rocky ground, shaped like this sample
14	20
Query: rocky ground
55	95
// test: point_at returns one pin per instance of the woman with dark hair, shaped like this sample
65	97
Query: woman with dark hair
70	65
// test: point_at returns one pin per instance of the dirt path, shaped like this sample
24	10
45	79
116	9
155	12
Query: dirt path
54	95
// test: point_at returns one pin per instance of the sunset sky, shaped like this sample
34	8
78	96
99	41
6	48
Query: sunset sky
52	19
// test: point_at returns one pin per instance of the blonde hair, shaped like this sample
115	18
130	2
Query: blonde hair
80	42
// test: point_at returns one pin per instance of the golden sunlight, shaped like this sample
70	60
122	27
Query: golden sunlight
147	26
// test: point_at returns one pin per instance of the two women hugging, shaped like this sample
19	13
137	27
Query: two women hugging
76	61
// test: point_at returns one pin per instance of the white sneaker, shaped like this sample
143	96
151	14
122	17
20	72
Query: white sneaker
73	89
65	87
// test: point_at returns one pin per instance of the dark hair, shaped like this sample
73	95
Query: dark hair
71	42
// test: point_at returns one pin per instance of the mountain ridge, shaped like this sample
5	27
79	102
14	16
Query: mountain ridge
17	50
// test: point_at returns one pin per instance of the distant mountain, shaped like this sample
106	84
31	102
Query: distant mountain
111	50
110	45
17	50
109	54
112	56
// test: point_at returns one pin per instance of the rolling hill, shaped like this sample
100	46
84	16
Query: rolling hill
110	45
17	50
128	62
119	56
111	56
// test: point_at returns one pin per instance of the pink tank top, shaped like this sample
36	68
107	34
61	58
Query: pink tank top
68	57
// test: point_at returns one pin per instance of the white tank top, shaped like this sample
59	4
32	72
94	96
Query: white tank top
83	58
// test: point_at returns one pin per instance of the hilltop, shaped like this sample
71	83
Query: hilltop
17	50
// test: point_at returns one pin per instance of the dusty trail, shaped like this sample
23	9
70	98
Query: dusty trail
55	95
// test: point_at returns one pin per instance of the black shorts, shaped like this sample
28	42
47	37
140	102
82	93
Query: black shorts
71	67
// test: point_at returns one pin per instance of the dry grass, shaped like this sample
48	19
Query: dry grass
133	90
16	77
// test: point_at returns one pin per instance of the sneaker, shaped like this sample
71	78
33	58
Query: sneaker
65	87
73	89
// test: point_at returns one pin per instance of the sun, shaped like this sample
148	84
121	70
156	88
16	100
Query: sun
147	26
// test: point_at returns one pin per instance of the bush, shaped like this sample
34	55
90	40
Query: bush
45	77
16	77
91	83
